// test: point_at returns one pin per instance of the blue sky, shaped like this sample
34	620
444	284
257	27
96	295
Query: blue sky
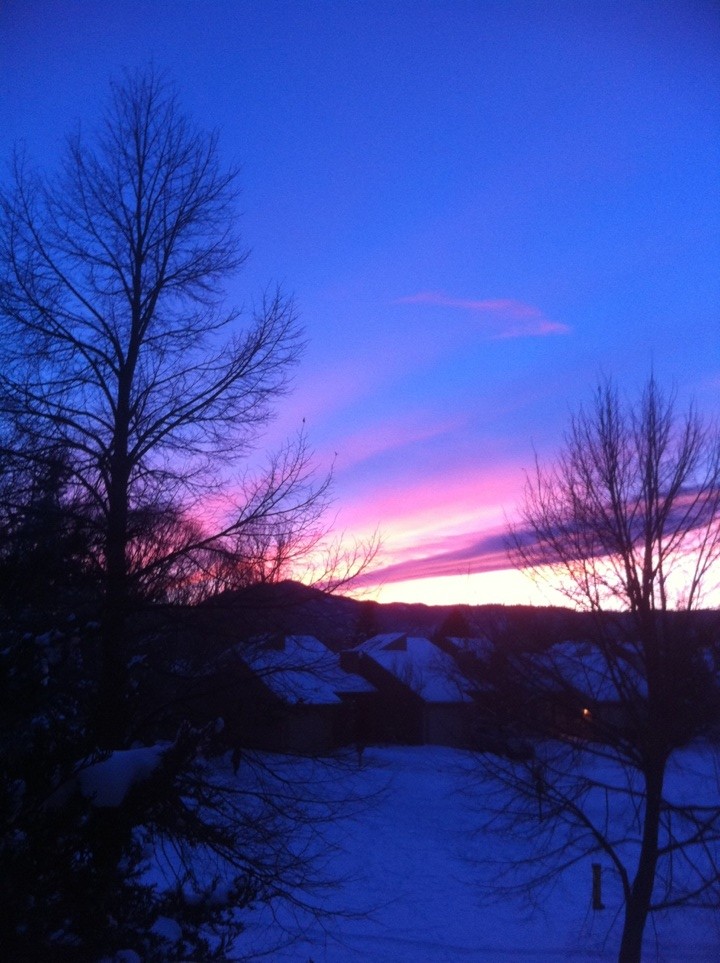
480	207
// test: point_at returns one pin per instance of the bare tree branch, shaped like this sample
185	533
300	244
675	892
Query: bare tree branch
627	523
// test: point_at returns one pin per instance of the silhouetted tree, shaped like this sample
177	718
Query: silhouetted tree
155	850
117	347
366	624
46	548
454	625
627	523
131	406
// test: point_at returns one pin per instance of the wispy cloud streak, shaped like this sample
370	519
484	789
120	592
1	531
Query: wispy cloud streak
514	319
472	554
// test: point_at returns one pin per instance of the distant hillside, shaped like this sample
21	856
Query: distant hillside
339	621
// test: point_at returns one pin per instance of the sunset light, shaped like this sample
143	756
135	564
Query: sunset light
506	587
480	209
359	480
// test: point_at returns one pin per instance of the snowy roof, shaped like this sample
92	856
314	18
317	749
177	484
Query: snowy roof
585	668
304	671
108	781
390	640
422	666
481	647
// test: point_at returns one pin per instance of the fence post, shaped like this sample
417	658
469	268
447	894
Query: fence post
597	903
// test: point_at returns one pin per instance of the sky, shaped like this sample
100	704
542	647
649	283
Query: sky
481	209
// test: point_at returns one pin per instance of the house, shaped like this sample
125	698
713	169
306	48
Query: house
422	698
585	690
294	696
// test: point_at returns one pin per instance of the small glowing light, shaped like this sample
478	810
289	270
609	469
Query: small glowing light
587	714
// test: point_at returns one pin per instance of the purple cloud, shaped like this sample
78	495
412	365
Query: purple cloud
469	555
514	319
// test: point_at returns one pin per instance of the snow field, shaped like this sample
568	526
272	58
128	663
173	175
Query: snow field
415	880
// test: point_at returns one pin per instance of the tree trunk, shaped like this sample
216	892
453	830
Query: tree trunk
638	903
112	703
112	708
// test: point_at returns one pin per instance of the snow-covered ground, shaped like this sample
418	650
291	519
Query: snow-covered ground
415	874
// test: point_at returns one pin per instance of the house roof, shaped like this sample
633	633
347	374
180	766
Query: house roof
418	664
586	669
390	640
480	647
303	670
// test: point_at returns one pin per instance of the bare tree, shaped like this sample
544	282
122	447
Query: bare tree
627	524
132	403
117	347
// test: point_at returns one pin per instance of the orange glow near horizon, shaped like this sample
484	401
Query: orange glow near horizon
510	587
503	587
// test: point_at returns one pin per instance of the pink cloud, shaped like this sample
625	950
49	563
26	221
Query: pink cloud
481	548
468	554
432	501
514	318
446	524
447	521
